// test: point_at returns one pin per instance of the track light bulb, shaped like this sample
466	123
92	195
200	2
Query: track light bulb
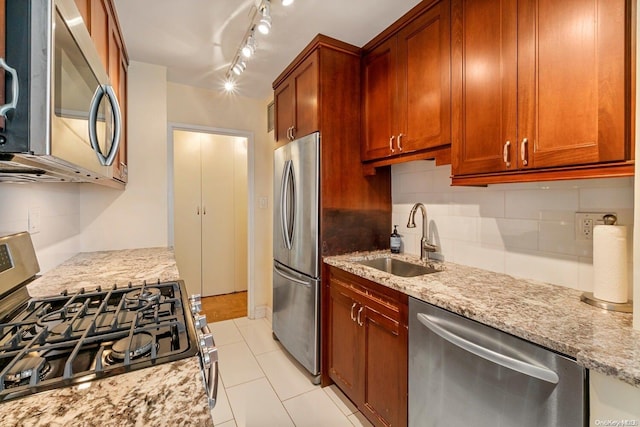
229	85
287	2
264	26
250	47
239	67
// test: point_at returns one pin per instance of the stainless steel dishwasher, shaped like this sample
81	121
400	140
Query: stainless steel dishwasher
463	373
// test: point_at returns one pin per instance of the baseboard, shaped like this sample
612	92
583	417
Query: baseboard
261	311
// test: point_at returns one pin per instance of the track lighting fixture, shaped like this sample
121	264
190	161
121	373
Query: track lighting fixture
264	26
260	20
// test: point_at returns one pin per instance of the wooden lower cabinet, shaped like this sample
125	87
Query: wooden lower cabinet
366	345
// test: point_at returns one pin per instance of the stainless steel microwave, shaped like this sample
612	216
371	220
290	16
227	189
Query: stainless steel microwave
62	117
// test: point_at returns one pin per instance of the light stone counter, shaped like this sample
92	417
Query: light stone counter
549	315
170	394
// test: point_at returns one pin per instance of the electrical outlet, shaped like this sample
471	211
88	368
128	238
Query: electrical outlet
585	221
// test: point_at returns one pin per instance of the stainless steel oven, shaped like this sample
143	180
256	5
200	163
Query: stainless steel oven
63	121
75	337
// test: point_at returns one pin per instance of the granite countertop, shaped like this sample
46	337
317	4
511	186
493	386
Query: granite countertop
549	315
168	394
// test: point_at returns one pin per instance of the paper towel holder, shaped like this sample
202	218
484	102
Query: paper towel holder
625	307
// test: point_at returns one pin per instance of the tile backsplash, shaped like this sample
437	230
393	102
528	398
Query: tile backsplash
524	230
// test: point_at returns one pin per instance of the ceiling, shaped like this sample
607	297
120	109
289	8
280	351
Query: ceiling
197	39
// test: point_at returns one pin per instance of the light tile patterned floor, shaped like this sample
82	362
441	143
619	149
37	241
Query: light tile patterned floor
262	386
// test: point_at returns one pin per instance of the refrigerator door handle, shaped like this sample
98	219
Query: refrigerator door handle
523	367
286	205
291	278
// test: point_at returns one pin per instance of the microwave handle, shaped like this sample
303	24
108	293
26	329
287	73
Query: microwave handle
93	120
4	109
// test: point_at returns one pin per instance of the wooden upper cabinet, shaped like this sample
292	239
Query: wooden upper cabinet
379	90
100	29
407	87
84	6
296	102
540	84
2	54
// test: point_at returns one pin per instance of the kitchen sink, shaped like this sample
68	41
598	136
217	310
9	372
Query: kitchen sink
398	267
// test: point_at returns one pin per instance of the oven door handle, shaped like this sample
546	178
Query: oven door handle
210	366
523	367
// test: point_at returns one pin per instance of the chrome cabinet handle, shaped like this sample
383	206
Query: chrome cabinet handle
523	367
360	312
391	143
400	141
505	153
4	109
523	151
293	133
353	317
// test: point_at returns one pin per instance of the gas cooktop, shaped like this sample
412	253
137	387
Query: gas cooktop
76	337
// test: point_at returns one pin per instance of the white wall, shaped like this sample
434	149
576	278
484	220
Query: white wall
201	107
137	217
525	230
59	208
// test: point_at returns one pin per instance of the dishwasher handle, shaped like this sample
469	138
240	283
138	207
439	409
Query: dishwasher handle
526	368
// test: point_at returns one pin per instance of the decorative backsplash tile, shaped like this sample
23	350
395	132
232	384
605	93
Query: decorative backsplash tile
525	230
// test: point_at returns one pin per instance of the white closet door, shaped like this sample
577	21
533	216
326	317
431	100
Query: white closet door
218	230
187	208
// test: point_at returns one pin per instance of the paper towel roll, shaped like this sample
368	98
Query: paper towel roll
610	280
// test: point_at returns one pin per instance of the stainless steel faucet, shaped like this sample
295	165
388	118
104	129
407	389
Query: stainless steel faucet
425	246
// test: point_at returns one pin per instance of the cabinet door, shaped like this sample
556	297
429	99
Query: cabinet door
283	97
379	89
571	82
484	84
305	80
385	369
424	80
100	29
117	73
345	348
84	7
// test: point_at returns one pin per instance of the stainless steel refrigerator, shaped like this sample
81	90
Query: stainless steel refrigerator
296	250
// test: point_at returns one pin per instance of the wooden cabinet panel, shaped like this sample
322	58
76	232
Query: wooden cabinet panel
367	346
540	85
385	370
296	102
2	54
424	80
485	90
283	101
571	87
379	88
407	87
100	29
84	6
344	366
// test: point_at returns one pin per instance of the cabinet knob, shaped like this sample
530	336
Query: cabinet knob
400	141
505	153
391	143
523	152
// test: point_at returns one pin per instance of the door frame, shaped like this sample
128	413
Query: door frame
174	126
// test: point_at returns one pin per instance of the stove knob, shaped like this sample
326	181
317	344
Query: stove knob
209	356
200	321
196	303
206	340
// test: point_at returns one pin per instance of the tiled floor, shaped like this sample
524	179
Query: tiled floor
262	386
